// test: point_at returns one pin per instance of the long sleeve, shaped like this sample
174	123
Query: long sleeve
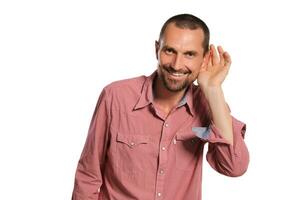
227	159
88	178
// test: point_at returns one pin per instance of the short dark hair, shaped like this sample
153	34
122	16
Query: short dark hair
190	22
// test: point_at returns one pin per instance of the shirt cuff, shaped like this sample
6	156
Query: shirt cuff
210	134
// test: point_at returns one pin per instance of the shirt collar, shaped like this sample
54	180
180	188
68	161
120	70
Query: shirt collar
146	96
187	99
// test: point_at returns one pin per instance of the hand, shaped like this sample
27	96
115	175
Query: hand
214	68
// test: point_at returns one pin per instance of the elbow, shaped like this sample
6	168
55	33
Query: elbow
236	168
233	166
237	171
232	170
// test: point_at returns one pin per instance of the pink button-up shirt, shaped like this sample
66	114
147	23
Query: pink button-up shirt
133	151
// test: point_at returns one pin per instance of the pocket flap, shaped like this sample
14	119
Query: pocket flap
132	140
186	135
196	132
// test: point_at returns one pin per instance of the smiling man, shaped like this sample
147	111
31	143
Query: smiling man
147	134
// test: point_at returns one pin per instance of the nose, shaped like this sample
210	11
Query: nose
177	62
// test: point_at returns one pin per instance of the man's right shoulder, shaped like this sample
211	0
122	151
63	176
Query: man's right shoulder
128	86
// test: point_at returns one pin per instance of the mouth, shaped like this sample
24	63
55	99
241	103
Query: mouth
176	74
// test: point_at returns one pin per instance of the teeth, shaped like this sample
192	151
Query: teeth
178	74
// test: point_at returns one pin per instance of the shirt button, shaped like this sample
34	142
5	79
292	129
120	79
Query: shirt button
166	124
159	194
163	148
132	143
161	171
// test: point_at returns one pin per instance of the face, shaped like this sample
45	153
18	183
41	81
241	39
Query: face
180	55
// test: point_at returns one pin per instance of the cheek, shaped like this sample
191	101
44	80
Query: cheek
194	66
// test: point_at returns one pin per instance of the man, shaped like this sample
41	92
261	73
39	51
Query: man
147	134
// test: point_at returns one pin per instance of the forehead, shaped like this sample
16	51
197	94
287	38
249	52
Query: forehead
183	38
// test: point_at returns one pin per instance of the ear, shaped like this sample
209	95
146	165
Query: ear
156	48
206	56
205	61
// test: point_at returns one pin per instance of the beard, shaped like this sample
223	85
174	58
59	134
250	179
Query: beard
174	85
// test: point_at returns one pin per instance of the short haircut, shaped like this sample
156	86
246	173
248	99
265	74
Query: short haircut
188	21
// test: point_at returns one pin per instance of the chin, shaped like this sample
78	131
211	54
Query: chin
175	87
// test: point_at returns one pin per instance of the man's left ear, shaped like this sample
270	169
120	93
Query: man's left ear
156	48
205	59
206	56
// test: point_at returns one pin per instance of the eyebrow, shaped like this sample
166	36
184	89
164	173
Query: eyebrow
191	52
186	52
169	48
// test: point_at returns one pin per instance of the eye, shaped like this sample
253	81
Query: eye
169	51
190	54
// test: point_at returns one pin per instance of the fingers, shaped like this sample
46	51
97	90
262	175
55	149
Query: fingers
214	55
221	54
221	58
227	59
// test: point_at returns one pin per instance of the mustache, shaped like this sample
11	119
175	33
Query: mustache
169	68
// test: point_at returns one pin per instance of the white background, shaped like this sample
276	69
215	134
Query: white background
56	56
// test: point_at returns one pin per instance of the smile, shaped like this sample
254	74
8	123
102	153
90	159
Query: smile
177	75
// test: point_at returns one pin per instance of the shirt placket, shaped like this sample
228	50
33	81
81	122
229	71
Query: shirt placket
162	161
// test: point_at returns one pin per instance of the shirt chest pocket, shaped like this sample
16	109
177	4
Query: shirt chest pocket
131	152
132	141
188	148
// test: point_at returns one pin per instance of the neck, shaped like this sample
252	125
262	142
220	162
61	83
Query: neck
164	98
